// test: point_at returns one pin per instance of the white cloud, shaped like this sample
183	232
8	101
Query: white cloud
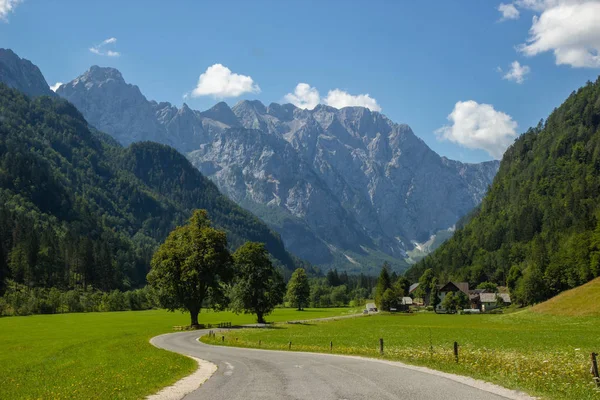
304	96
6	7
479	126
339	99
55	87
516	73
568	28
219	81
307	97
509	11
100	49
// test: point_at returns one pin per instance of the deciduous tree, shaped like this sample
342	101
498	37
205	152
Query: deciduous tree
298	289
258	285
191	267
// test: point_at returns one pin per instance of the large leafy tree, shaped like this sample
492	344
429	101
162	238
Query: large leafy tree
191	267
298	289
258	286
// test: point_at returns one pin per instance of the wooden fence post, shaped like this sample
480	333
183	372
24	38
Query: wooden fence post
456	351
289	345
259	342
222	338
595	369
381	346
331	346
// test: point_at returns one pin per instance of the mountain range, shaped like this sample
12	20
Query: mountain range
345	188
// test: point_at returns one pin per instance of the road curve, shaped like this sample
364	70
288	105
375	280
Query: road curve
248	374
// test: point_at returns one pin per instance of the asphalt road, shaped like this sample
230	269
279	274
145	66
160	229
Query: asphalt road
261	374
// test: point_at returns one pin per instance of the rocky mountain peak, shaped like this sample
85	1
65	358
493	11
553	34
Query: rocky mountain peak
22	74
344	187
222	112
99	74
249	106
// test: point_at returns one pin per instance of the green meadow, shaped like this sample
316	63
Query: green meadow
102	355
543	355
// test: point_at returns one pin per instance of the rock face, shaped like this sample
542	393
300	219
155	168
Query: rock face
22	75
344	187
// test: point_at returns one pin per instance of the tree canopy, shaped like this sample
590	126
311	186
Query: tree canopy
190	269
298	289
258	285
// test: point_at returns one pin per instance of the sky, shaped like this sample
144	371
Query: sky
467	76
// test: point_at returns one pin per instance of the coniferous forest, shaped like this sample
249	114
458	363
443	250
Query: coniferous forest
78	211
538	228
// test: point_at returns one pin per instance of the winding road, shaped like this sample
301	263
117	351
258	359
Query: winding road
248	374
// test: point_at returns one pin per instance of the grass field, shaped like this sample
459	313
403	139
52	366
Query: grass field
102	355
543	355
583	301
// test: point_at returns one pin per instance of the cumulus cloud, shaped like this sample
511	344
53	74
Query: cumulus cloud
55	87
339	99
304	96
220	82
516	73
479	126
6	7
307	97
101	48
570	29
509	11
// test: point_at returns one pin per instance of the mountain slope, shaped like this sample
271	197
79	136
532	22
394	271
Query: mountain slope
538	228
583	301
373	180
76	210
22	75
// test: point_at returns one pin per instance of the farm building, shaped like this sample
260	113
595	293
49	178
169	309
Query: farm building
489	301
454	287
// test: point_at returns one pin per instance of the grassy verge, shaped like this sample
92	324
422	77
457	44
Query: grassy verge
102	355
543	355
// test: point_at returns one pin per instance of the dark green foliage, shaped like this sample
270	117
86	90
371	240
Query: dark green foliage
298	290
489	287
537	230
258	285
383	284
350	290
77	210
22	300
190	269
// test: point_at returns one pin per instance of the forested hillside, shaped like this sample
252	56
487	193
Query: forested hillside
78	210
537	230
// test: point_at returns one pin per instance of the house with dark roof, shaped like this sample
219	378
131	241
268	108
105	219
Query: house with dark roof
454	287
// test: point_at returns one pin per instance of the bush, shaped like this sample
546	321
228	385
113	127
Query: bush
21	300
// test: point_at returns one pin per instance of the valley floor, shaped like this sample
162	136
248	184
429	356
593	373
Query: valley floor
543	355
103	355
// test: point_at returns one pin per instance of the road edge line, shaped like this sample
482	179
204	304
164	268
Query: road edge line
480	384
187	384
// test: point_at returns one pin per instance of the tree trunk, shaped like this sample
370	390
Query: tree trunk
194	311
260	318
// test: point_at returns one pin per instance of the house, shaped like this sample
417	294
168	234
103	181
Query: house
371	307
454	287
405	303
489	301
412	291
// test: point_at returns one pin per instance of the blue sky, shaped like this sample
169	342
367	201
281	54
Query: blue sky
415	59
